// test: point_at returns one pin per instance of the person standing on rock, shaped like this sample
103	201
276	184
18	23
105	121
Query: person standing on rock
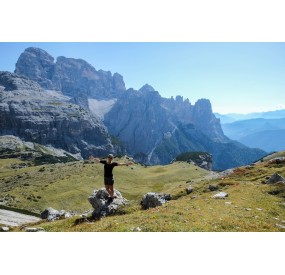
108	173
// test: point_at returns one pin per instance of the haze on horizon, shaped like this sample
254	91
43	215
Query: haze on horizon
237	77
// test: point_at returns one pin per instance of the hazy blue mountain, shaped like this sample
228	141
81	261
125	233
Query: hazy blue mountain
239	129
265	134
224	118
270	141
231	117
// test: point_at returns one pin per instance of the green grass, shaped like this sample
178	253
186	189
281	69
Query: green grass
249	207
67	186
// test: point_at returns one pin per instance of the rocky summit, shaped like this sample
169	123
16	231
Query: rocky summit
78	108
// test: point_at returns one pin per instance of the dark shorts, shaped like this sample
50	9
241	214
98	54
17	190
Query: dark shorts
108	180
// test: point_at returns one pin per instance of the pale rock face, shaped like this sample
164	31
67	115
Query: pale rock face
37	65
37	116
73	77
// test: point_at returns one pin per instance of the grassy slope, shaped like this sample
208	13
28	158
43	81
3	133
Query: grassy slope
67	186
249	207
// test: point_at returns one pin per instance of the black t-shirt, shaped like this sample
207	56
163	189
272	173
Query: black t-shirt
108	168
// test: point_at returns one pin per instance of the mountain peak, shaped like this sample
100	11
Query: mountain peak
146	88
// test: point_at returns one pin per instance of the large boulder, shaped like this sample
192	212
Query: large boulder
102	205
52	214
151	200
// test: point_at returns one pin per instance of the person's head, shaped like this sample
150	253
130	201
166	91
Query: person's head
110	157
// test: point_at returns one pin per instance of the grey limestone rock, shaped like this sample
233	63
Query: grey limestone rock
52	214
189	189
74	77
4	229
48	117
275	178
213	187
151	200
220	195
102	205
36	64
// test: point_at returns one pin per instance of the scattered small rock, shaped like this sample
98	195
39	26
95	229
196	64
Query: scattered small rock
277	160
220	195
4	229
136	229
280	226
248	209
213	187
189	189
228	202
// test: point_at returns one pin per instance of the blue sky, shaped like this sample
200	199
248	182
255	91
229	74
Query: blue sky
237	77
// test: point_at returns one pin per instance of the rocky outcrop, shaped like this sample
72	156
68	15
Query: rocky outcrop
206	121
52	214
151	200
37	65
14	147
11	82
201	159
49	118
276	178
102	205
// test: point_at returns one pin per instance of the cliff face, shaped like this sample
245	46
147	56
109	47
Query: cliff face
154	130
37	65
73	77
49	118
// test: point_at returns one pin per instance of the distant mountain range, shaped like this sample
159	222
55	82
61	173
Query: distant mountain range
70	105
266	132
228	118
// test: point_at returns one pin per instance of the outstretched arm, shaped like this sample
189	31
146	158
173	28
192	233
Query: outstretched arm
94	159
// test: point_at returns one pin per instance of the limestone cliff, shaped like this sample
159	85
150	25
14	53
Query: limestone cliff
48	117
